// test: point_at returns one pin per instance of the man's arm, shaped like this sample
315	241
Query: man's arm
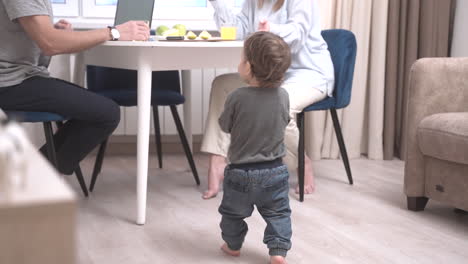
53	41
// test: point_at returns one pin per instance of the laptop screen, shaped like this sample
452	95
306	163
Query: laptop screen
128	10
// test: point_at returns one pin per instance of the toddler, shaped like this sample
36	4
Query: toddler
256	117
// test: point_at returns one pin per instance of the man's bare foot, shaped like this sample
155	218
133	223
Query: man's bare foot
227	250
309	185
278	260
215	176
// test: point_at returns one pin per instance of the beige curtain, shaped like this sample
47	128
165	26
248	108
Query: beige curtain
362	120
416	29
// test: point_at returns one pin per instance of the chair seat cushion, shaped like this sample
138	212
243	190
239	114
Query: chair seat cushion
445	136
325	104
158	97
34	117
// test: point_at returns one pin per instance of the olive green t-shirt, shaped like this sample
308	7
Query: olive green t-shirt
256	118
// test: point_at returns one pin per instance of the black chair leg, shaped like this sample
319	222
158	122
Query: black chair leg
98	164
81	181
184	141
301	155
339	137
157	134
59	124
50	144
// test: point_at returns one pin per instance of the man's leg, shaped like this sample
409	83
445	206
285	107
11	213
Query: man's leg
92	117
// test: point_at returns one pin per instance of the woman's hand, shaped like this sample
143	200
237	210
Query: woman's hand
63	25
264	25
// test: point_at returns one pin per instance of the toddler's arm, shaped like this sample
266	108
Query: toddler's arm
227	117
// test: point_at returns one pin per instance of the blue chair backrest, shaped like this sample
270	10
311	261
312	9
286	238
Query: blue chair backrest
106	78
342	47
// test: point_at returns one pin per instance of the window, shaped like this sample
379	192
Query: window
196	14
65	8
106	2
99	8
164	9
185	3
182	9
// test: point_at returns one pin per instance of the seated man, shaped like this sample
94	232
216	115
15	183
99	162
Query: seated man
28	38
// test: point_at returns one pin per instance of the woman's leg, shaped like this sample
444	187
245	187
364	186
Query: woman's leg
215	141
300	96
215	175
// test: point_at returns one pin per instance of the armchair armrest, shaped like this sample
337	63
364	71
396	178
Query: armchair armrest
437	85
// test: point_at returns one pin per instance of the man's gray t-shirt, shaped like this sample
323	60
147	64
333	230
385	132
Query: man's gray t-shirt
256	119
20	57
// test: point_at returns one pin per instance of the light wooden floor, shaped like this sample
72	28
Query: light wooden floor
364	223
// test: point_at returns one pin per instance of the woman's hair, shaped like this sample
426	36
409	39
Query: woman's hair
276	7
269	57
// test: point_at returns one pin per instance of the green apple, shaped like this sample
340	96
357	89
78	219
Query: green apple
171	32
182	29
161	29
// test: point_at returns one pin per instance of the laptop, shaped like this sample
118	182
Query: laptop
128	10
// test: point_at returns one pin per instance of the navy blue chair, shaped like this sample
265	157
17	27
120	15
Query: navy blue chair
342	47
47	119
120	85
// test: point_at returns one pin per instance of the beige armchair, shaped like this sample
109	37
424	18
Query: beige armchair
437	133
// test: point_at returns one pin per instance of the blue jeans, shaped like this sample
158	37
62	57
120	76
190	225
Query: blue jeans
267	189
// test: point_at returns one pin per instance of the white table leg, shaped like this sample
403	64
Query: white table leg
187	91
79	70
144	107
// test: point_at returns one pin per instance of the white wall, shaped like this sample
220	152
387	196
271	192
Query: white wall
460	36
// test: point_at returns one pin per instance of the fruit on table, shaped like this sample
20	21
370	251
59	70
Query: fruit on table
161	29
205	35
172	32
191	35
181	28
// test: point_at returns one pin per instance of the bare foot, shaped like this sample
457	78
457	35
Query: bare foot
278	260
309	185
215	176
208	194
308	189
230	252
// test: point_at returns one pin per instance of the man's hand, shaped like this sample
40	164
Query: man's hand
134	30
264	25
63	25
